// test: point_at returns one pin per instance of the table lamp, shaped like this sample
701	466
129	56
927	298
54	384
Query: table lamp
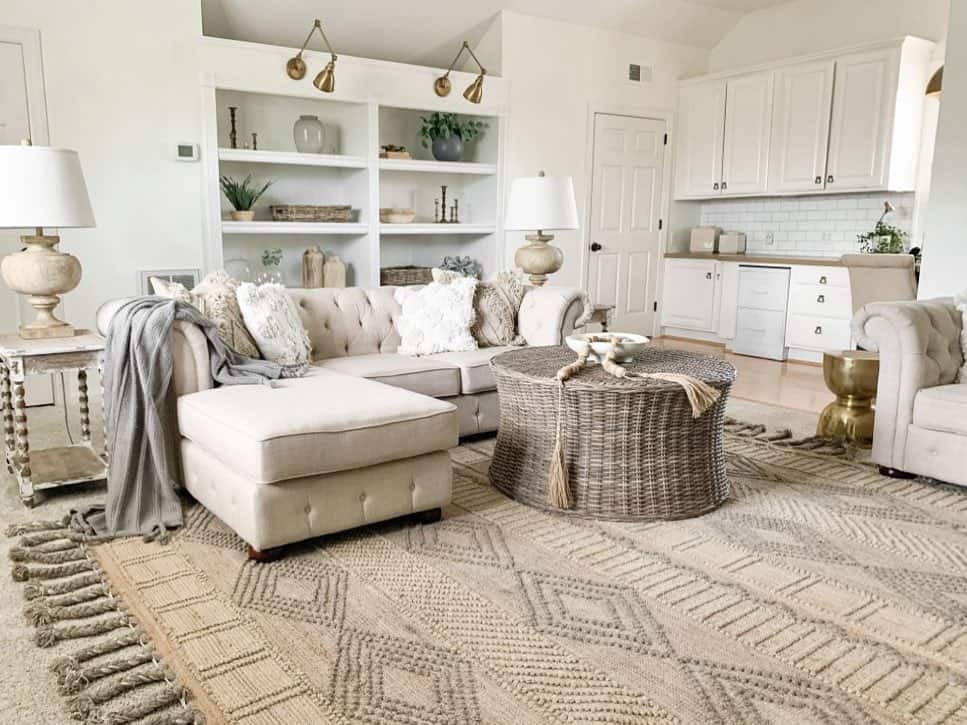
540	203
42	187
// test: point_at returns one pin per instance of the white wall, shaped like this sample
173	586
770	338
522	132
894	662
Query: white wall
802	27
122	88
945	244
557	71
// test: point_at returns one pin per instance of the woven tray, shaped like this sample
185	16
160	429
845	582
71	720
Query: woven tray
633	450
311	213
403	276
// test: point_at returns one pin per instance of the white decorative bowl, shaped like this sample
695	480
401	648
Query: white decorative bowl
396	216
629	344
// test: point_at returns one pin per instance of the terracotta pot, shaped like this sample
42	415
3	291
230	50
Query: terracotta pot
243	216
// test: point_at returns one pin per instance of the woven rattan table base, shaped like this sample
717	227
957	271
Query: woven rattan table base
633	450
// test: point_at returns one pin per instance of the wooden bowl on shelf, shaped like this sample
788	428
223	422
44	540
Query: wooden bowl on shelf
396	216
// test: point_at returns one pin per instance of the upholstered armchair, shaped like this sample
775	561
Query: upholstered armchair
921	409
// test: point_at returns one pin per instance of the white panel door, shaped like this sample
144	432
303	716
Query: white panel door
800	127
748	129
690	294
862	120
15	125
700	137
625	232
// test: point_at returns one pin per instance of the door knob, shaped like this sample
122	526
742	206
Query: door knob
595	247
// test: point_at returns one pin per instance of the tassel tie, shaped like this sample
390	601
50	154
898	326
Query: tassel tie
701	397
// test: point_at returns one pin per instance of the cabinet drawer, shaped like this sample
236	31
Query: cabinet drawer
763	288
826	276
818	333
760	333
817	300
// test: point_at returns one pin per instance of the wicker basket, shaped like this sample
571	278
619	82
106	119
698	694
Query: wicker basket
632	448
311	213
402	276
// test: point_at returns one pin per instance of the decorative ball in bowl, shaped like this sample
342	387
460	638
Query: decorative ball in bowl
396	216
624	344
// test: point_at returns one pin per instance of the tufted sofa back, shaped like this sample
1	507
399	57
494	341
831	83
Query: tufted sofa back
348	321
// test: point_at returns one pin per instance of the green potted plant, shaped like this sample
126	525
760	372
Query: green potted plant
242	195
445	133
885	238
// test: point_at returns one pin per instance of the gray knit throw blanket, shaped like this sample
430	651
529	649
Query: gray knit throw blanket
141	489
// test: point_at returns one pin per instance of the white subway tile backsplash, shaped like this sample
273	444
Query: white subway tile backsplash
810	226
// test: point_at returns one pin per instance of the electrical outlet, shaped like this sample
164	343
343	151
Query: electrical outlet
770	239
827	236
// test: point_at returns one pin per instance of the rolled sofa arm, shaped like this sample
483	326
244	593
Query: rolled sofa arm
191	365
548	314
919	346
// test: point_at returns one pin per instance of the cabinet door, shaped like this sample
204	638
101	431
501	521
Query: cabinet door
690	294
728	279
800	127
748	129
862	123
699	148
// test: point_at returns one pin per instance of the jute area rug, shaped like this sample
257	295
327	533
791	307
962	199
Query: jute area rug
819	593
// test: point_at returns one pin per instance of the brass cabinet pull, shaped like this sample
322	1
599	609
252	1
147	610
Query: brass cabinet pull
818	330
715	186
724	185
830	179
819	179
822	280
821	299
708	275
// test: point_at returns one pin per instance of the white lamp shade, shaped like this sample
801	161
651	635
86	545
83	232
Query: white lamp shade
42	187
541	202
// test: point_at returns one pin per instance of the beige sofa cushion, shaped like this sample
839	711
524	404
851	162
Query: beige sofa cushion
321	423
427	375
474	366
348	321
942	408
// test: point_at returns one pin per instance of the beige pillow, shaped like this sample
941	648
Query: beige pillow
495	305
215	298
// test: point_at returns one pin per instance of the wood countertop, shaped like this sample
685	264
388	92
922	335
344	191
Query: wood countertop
758	258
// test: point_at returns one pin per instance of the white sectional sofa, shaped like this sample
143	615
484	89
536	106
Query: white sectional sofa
361	438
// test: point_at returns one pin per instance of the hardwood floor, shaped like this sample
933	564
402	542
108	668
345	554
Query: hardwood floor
788	384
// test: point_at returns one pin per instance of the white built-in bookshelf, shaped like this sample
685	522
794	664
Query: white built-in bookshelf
375	103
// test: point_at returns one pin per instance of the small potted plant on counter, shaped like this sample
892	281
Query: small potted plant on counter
445	133
885	238
242	195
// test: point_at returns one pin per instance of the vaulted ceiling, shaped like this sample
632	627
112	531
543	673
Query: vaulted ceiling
425	32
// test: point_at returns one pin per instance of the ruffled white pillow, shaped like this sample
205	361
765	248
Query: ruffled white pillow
961	302
436	318
273	321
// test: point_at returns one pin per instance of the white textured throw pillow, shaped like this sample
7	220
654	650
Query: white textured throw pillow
273	321
961	302
436	318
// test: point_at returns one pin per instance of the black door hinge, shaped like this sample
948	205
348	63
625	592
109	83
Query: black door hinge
666	139
660	224
655	307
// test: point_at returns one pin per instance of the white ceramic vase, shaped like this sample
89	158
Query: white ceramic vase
309	134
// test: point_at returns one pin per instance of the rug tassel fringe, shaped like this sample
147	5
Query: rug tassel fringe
73	680
558	490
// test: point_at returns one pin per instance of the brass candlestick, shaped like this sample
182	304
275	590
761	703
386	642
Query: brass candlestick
233	133
443	205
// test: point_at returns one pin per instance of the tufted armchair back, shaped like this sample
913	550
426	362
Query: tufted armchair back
348	321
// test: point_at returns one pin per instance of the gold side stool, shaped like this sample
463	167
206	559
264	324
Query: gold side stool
851	376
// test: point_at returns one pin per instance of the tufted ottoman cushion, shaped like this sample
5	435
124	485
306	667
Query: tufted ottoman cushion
322	423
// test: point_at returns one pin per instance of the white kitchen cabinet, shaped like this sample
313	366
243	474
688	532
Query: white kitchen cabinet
830	123
701	130
761	318
748	129
728	298
800	127
820	311
690	299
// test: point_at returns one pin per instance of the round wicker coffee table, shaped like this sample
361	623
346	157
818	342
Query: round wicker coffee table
633	450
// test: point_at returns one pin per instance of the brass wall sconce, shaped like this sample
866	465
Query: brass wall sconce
474	92
295	68
935	86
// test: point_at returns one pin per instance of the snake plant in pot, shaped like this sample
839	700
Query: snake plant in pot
242	195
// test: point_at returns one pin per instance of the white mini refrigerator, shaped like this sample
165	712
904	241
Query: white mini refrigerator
760	328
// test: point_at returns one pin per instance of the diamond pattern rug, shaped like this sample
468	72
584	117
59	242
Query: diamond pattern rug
819	593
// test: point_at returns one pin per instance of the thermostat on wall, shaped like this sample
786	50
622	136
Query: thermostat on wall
187	152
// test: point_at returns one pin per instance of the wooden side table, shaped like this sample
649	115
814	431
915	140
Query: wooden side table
63	465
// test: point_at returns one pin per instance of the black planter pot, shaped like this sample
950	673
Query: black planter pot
448	149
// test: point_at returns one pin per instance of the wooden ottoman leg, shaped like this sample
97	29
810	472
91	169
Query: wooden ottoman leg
895	473
266	555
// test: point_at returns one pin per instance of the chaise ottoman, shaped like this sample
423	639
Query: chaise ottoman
314	455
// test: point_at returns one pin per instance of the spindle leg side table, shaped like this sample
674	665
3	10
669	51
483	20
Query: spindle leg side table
63	465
